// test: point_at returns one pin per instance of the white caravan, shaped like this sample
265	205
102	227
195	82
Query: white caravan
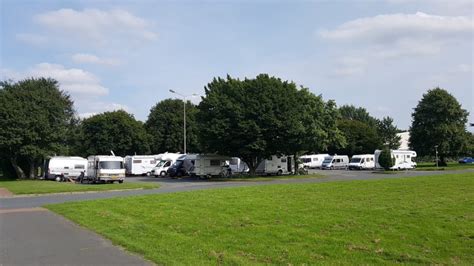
362	161
313	160
208	165
237	166
335	162
108	168
403	159
165	160
276	165
140	164
62	166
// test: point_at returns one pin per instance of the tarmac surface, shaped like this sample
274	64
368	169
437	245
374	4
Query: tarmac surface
31	235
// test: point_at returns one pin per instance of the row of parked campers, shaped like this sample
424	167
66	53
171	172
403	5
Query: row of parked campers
403	159
106	168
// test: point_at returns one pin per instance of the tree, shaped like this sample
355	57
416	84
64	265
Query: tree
438	120
256	118
388	133
116	131
165	126
350	112
34	119
361	137
385	159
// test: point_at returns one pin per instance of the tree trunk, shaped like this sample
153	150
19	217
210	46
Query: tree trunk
19	172
442	161
32	172
251	164
295	160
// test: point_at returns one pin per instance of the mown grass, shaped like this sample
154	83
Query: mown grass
431	166
427	220
47	186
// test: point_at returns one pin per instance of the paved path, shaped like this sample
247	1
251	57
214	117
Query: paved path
31	235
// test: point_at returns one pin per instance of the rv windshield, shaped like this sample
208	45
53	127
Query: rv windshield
178	163
111	165
355	160
306	160
161	163
327	160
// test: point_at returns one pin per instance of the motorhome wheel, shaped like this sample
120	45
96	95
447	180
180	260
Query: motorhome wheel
163	174
120	181
58	178
280	172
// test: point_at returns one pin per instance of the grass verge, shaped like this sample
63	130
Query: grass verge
266	178
427	220
451	166
21	187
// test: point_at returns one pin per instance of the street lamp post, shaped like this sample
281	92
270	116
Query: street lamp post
436	150
184	115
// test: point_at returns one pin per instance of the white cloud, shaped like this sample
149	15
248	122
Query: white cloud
93	25
34	39
100	107
73	80
93	59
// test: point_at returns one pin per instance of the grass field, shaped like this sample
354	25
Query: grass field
266	178
44	186
431	166
426	220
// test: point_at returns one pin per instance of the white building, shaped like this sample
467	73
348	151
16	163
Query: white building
404	140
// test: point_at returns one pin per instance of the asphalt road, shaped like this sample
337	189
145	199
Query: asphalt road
31	235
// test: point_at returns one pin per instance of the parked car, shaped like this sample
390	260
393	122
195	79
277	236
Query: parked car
466	160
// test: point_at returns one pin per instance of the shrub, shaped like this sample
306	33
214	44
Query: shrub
385	159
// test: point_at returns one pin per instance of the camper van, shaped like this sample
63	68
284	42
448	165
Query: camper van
108	168
59	167
237	166
313	160
276	165
362	161
335	162
403	159
208	165
181	167
140	164
165	160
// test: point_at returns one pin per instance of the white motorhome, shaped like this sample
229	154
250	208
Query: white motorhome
237	166
313	160
276	165
58	167
403	159
165	160
362	161
140	164
335	162
208	165
108	168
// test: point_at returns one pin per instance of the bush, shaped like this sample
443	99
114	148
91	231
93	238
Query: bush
385	159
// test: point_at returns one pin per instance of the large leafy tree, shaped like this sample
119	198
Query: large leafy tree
388	133
116	131
350	112
256	118
361	138
34	119
165	126
438	120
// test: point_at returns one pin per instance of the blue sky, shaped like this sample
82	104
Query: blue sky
381	55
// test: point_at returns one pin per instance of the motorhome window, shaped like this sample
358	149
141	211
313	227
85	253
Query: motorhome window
363	160
160	164
215	162
66	167
234	161
306	160
152	161
338	160
315	159
408	156
111	165
177	164
283	160
167	164
137	161
355	160
79	166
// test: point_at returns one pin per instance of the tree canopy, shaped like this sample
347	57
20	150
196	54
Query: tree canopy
116	131
34	119
165	126
438	120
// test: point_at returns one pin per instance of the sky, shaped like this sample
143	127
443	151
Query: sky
108	55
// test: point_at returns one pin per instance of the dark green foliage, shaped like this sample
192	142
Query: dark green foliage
361	137
256	118
438	119
385	159
165	126
34	119
116	131
350	112
388	133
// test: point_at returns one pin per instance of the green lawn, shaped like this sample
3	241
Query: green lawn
266	178
431	166
47	186
427	220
